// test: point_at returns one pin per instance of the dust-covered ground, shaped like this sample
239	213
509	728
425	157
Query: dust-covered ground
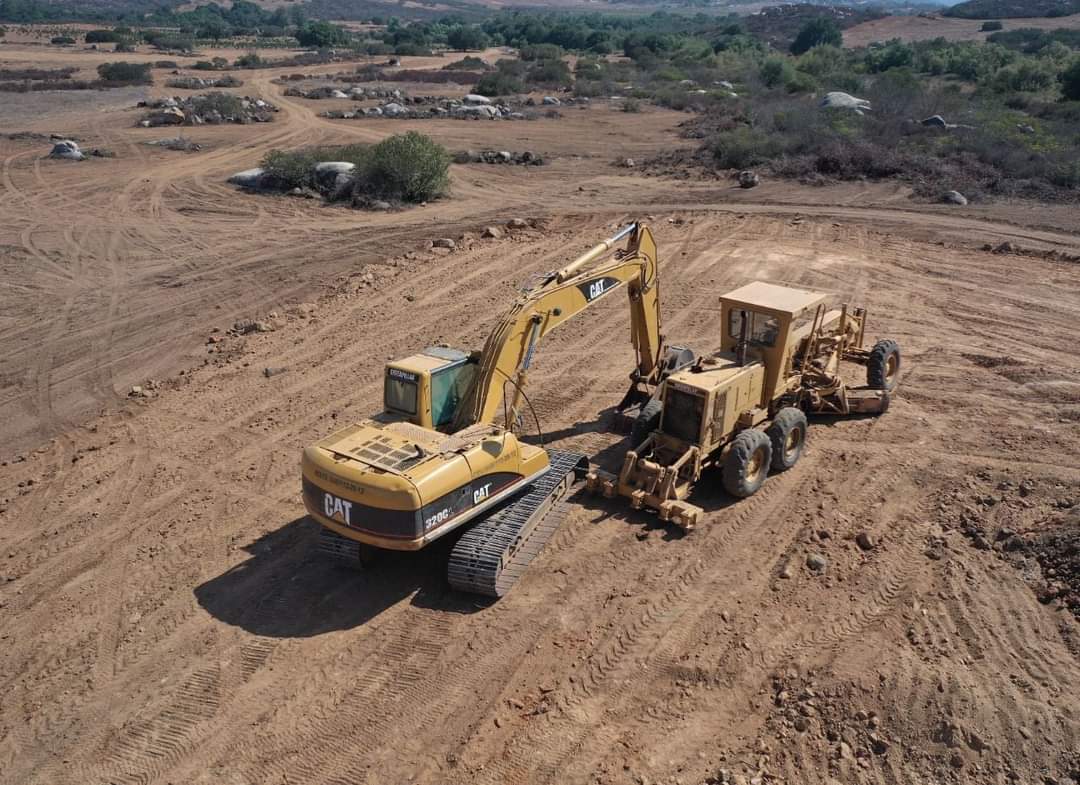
165	618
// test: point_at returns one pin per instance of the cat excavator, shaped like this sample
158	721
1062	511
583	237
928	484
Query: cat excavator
444	453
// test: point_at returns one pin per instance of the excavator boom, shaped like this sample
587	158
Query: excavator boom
560	296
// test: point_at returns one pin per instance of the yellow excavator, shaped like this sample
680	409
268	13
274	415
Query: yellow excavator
444	453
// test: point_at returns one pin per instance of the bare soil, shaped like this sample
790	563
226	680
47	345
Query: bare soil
924	28
165	618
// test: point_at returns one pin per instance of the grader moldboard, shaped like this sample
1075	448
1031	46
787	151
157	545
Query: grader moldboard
744	408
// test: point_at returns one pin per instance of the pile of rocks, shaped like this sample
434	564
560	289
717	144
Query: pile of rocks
357	93
444	108
178	143
207	109
203	83
523	158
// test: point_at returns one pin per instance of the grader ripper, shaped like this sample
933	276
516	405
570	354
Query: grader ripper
743	409
444	454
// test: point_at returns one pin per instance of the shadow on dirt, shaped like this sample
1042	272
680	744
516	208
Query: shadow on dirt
287	589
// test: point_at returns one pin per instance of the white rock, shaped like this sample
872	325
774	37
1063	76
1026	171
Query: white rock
67	150
476	100
837	100
249	178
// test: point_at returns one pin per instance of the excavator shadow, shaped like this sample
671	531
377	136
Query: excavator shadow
288	589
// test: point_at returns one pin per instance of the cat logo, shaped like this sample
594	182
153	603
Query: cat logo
481	493
336	508
598	287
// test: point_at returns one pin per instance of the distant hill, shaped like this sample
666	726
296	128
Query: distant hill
1013	9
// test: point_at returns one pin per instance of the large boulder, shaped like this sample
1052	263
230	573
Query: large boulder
249	178
838	100
170	115
338	94
550	100
327	172
748	179
954	197
476	111
935	121
472	99
394	110
67	150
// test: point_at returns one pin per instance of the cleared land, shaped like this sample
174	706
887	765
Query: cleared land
925	28
167	620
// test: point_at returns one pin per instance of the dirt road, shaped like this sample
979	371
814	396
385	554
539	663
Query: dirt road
166	619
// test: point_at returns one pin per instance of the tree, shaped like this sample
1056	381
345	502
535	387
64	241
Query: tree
1070	81
817	32
319	35
466	37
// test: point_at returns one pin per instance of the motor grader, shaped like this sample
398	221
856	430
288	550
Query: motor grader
444	453
743	409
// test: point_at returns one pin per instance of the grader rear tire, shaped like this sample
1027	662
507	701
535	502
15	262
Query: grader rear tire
747	463
788	437
883	367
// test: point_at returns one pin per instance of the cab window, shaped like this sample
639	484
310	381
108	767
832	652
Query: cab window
399	394
448	387
762	329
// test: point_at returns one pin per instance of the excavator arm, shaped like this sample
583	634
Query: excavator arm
558	297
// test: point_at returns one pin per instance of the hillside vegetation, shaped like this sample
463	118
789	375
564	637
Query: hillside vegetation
1013	9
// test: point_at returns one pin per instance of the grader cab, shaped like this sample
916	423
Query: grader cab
743	409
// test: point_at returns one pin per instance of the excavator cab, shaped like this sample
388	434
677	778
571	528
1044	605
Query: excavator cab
426	388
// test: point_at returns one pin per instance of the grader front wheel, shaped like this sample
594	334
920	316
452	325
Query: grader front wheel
747	463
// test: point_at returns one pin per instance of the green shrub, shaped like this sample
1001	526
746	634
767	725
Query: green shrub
464	37
631	105
499	83
800	83
102	37
744	147
62	40
408	167
894	54
320	35
181	43
1070	81
992	26
1026	76
467	63
296	168
249	60
224	104
541	52
817	32
549	73
125	73
776	71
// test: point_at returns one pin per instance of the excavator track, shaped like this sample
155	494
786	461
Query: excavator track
491	556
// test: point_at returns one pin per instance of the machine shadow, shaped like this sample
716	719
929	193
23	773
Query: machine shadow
288	589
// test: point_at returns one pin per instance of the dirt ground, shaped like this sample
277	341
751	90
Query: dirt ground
165	618
924	28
